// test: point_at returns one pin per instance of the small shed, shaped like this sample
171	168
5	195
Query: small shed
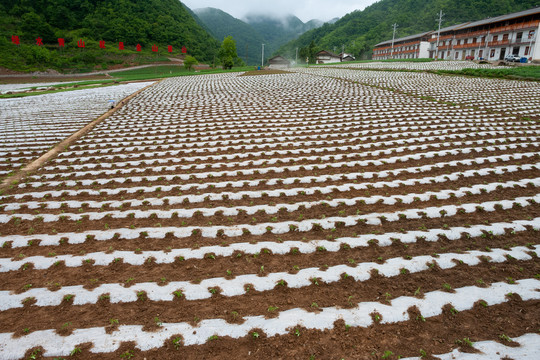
326	57
346	57
279	62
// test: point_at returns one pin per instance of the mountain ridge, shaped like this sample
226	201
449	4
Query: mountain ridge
253	30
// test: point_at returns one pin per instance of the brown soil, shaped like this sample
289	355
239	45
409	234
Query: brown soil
185	270
435	335
265	71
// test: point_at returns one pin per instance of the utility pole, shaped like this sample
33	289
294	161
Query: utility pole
532	36
296	61
393	38
247	58
262	58
438	34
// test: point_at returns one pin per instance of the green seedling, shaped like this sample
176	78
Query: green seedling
128	354
177	342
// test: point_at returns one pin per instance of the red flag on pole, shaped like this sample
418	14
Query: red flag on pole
169	48
120	45
61	42
154	48
138	47
184	50
80	43
101	44
15	39
39	41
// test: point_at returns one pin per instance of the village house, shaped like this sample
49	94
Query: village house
326	57
346	57
279	62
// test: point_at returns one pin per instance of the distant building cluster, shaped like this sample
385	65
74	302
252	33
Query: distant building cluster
327	57
511	36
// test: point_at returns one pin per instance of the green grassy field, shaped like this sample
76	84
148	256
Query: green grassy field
521	72
164	71
148	73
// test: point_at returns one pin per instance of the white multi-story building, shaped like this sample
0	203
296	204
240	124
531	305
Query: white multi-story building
490	39
409	47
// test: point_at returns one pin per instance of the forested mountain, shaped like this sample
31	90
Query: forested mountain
221	25
359	31
148	22
277	31
254	31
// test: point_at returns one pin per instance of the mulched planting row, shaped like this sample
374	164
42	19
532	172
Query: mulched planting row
363	218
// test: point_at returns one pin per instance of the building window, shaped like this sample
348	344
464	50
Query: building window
519	36
480	53
492	54
459	41
456	55
474	40
505	37
526	50
496	37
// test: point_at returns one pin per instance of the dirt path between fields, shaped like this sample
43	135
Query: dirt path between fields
34	165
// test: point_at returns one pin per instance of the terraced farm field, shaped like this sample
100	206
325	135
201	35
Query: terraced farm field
321	214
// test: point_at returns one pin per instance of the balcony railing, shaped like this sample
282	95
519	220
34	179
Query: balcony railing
498	43
398	45
467	46
525	25
471	34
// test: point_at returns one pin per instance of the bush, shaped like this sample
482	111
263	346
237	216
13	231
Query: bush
189	62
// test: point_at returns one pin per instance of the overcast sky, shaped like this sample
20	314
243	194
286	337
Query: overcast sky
303	9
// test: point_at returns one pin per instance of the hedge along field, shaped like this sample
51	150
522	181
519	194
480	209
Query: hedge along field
327	213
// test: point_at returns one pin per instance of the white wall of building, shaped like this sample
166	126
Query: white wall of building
424	49
327	59
535	46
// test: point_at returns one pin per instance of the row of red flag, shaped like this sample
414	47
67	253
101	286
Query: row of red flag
81	44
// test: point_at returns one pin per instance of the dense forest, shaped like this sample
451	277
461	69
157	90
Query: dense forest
254	30
145	22
359	31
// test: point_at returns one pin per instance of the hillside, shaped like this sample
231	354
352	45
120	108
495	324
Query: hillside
253	31
161	22
277	31
221	24
359	31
